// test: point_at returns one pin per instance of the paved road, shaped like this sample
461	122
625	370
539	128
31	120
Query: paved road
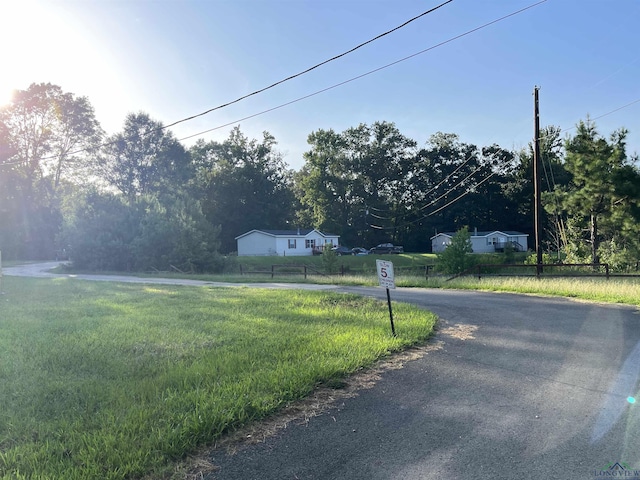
41	270
516	387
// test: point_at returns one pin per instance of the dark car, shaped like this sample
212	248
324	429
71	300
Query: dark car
340	250
386	248
360	251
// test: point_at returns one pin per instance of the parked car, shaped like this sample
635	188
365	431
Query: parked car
341	250
360	251
386	248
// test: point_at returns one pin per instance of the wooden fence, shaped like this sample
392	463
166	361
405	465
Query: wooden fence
307	270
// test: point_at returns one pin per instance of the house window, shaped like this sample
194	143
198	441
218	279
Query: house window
292	243
310	243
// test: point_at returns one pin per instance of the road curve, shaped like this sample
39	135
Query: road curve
515	387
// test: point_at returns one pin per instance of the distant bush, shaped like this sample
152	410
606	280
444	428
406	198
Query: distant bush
546	258
105	232
457	257
329	259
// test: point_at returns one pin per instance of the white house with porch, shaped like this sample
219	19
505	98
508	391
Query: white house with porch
484	242
284	242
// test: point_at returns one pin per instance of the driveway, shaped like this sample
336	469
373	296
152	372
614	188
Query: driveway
512	387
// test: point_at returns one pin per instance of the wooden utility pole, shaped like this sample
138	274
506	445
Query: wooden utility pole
537	208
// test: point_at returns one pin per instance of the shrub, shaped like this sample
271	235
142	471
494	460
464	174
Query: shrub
329	259
457	257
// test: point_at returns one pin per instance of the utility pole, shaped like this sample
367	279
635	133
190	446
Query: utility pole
536	182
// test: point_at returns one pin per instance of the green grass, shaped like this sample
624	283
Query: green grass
615	290
115	381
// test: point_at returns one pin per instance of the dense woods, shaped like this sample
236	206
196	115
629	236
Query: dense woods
140	200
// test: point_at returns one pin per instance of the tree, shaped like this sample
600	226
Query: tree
106	232
604	184
355	178
244	184
457	258
325	182
46	138
455	183
101	231
145	158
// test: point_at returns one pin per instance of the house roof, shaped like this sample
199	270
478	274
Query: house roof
510	233
298	233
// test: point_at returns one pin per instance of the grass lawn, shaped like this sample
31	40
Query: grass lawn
114	381
615	290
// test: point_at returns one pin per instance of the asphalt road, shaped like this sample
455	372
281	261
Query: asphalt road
515	387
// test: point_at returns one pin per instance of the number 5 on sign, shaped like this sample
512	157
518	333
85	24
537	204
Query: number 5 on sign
386	277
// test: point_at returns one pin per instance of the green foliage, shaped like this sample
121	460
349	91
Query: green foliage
619	257
509	253
349	176
546	258
243	184
329	259
605	188
101	232
457	257
144	159
175	234
116	381
108	233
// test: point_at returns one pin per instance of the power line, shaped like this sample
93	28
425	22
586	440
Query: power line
378	227
600	116
433	189
311	68
370	72
436	200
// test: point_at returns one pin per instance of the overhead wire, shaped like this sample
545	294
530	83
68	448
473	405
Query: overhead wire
370	72
435	211
291	77
433	189
436	200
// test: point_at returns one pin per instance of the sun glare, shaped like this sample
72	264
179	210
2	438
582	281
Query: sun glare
6	93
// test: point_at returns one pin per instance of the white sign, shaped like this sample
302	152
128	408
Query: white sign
386	277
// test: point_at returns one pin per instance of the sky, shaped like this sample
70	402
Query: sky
177	58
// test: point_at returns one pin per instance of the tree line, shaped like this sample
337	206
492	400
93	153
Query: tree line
140	200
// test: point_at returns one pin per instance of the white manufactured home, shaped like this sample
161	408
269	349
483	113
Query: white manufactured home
484	242
284	242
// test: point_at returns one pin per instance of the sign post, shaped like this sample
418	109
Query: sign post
386	279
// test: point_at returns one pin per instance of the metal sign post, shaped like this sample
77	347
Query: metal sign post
386	279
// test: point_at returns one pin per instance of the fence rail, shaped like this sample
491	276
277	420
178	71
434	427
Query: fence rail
285	269
306	270
493	270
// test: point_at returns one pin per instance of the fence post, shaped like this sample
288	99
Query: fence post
273	267
305	272
606	269
241	270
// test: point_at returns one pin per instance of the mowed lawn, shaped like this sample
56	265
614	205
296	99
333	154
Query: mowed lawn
109	381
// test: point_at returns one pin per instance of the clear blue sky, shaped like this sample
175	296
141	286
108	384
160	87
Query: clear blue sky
177	58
